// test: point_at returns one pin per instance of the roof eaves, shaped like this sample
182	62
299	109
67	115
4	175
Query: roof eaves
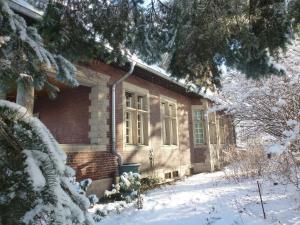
164	76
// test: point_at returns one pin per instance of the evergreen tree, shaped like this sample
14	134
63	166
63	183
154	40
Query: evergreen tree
23	58
194	37
35	182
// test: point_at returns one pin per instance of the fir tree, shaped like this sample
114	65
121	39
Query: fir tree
35	182
24	61
192	38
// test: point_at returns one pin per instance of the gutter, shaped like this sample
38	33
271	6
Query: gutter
113	113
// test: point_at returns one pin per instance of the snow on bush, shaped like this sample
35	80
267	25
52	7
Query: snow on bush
268	111
127	189
269	107
123	195
36	185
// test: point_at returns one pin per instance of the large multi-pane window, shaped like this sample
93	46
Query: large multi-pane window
198	121
212	128
226	129
169	123
231	132
136	119
222	130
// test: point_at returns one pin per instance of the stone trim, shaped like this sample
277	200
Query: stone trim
134	88
168	99
90	78
98	109
82	148
99	114
201	167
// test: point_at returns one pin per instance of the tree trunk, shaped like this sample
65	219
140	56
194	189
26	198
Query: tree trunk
25	96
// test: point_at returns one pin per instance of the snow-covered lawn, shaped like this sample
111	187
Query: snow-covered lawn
207	199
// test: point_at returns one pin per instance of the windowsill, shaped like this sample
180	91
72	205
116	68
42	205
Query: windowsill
200	145
169	147
132	147
83	147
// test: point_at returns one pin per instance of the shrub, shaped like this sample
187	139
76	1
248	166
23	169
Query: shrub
149	183
249	163
128	189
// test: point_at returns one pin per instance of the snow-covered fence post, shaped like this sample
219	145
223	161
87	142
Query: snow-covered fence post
261	201
25	95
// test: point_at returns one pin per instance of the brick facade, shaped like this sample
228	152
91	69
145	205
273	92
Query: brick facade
67	115
166	158
80	120
92	164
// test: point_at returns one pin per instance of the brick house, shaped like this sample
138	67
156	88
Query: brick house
159	124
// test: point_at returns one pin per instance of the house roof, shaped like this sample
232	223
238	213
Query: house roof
158	76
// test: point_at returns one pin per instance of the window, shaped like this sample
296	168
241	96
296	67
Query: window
222	130
212	128
198	120
169	123
231	132
175	173
168	175
136	119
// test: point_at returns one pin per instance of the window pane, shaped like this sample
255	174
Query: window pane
198	127
141	102
140	128
129	99
167	131
173	110
174	132
169	123
128	122
222	130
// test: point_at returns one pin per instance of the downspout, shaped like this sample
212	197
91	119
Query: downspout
113	113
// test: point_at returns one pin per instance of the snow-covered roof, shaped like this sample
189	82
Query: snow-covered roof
160	72
23	7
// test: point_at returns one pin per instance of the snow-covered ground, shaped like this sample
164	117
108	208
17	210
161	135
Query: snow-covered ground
207	199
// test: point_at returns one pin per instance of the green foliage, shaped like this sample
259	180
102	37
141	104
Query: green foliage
35	182
16	193
128	189
192	39
23	57
103	29
240	34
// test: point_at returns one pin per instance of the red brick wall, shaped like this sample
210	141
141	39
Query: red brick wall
67	115
92	164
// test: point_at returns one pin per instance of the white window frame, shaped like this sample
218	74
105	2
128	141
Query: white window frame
135	111
171	117
203	126
212	121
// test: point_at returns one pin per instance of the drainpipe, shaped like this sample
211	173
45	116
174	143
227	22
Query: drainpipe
113	113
